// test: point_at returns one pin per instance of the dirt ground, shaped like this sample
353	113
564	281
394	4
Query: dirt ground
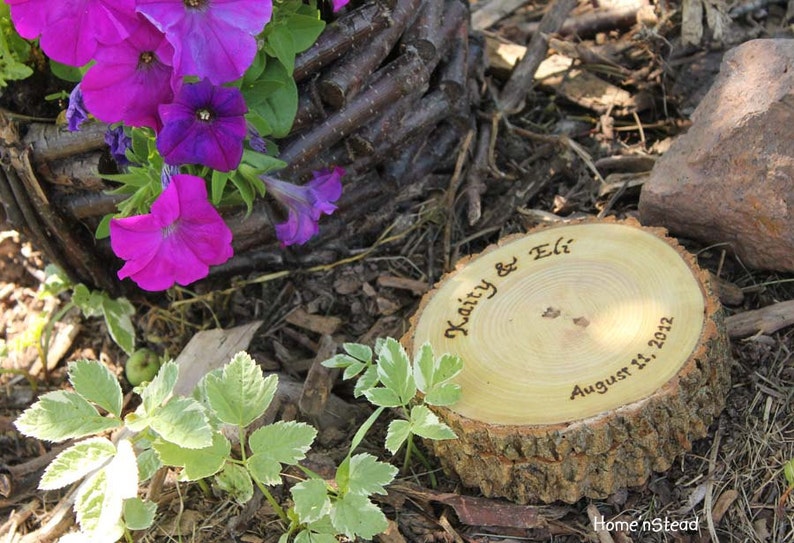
732	481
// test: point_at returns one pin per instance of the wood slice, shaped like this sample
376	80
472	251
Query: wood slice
594	353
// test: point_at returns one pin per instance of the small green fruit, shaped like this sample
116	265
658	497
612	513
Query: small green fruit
142	366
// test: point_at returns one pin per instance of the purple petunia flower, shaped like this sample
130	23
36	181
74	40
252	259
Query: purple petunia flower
204	125
76	113
131	79
305	204
212	39
339	4
177	242
119	142
71	30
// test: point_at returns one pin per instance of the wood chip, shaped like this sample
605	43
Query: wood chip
325	325
403	283
761	321
319	381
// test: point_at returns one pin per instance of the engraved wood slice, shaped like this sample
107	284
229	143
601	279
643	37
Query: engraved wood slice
594	353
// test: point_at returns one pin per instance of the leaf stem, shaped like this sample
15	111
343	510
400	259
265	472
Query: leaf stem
273	502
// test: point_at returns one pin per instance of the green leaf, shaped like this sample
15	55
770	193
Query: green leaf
138	514
353	369
235	481
788	471
100	498
397	434
67	73
384	397
443	394
241	393
369	379
283	441
55	281
97	509
394	371
355	516
61	415
198	463
103	228
94	382
305	29
358	351
89	301
432	376
426	424
182	421
148	464
311	500
276	107
118	315
160	388
368	475
76	462
219	180
309	536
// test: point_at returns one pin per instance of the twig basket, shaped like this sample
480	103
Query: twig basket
386	92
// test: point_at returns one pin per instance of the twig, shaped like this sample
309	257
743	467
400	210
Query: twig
454	182
347	77
515	90
475	185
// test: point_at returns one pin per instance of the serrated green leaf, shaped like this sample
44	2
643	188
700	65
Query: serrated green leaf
138	514
97	509
369	379
384	397
311	500
283	441
94	382
118	315
198	463
61	415
76	462
443	394
394	371
148	464
397	434
355	516
263	469
235	481
358	351
368	475
160	388
99	500
424	367
308	536
353	369
340	361
426	424
89	302
241	393
182	421
788	471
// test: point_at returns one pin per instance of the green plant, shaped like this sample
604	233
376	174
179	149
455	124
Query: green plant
186	432
14	50
117	312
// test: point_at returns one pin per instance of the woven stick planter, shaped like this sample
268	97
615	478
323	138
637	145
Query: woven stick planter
386	92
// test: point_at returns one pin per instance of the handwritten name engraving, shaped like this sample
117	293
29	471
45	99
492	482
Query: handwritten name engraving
638	363
545	250
483	291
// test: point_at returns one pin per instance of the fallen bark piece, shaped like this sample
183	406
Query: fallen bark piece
766	320
593	354
728	179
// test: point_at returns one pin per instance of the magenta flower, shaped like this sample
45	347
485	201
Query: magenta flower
71	30
204	125
177	242
305	204
339	4
212	39
131	79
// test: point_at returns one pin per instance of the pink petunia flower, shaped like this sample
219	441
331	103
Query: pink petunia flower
204	125
131	79
177	242
305	204
71	30
339	4
212	39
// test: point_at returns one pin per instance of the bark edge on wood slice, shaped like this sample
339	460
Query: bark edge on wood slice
608	357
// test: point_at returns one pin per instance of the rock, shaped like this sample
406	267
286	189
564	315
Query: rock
730	178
